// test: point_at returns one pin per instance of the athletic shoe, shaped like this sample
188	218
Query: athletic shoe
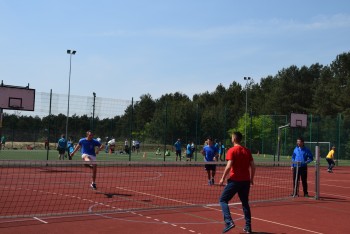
209	182
93	186
228	227
306	195
247	229
294	195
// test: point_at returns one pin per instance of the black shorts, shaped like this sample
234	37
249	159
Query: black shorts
210	167
61	150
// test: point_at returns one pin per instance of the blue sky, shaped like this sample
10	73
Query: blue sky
129	48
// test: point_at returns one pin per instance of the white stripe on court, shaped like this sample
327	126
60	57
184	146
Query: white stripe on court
40	220
268	221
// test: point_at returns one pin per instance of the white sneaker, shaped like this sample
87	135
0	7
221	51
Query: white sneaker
93	186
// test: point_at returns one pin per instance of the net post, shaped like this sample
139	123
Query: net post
317	173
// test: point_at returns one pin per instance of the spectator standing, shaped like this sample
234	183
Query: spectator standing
61	147
177	146
3	142
300	158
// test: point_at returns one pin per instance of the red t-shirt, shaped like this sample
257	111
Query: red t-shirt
241	158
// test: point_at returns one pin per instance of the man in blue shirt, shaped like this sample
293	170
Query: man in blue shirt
189	152
61	147
89	148
178	148
300	158
210	153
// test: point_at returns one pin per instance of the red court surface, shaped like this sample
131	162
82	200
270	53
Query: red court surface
329	214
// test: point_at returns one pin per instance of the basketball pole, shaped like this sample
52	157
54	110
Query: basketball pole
279	140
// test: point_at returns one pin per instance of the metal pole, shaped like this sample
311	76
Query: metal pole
196	145
338	150
246	110
165	127
93	111
131	121
251	129
317	172
245	116
70	52
70	71
48	128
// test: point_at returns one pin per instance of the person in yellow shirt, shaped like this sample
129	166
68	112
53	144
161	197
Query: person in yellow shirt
330	160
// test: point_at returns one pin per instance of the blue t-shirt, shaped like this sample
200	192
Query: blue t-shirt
188	149
88	147
302	155
177	145
70	147
209	153
62	143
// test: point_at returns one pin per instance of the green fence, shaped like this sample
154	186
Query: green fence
161	127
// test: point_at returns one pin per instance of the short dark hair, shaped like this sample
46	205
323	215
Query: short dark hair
238	136
209	138
301	139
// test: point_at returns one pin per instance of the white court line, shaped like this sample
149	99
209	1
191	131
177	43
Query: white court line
40	220
336	186
268	221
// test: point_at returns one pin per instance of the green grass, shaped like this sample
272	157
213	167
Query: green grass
102	156
269	158
148	156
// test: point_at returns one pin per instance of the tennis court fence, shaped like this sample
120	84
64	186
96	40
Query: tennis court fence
47	188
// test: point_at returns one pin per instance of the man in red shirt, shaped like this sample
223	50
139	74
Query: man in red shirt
239	161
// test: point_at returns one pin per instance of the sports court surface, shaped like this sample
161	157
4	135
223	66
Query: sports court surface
149	206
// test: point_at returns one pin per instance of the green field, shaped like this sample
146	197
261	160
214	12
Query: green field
142	156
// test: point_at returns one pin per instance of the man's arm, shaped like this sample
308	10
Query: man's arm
226	171
99	149
75	150
310	157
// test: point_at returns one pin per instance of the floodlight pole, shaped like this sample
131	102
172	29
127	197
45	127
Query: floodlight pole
93	112
246	110
70	52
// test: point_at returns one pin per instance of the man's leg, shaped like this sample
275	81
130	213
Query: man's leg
208	173
332	164
93	166
213	172
329	164
229	191
303	175
243	194
94	172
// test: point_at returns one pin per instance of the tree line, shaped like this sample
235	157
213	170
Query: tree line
319	90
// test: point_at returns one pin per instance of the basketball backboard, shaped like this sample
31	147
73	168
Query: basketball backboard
17	98
298	120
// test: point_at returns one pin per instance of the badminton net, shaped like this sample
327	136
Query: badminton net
47	188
